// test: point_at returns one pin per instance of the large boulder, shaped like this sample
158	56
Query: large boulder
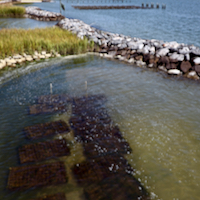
185	66
163	61
163	52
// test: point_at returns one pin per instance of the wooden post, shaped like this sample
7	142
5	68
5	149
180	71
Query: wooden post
152	6
157	6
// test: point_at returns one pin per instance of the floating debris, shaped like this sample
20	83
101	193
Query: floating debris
25	177
46	129
43	150
95	170
58	196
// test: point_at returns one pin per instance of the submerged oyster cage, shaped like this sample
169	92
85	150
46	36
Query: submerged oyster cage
25	177
54	98
43	150
46	129
58	196
46	108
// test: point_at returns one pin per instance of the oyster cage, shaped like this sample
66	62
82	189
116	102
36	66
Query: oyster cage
46	129
58	196
25	177
43	150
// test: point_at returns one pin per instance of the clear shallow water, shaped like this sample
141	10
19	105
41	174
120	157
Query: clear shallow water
158	115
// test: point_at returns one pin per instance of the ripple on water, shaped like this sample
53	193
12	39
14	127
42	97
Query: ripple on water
158	116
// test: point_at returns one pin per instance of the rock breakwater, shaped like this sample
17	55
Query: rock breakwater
171	57
42	15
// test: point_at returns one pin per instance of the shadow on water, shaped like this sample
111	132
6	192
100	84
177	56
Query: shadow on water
143	111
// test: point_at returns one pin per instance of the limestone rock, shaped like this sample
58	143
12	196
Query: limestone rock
163	52
193	75
176	56
174	72
197	61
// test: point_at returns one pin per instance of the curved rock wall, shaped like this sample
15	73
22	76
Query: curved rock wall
42	15
172	57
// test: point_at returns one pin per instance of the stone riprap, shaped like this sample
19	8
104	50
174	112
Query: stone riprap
12	61
42	15
171	57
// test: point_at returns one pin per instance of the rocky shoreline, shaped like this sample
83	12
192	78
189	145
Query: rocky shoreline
42	15
172	57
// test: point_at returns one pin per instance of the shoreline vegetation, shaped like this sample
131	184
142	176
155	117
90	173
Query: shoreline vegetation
7	10
19	45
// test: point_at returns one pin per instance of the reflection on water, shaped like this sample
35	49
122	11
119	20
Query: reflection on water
24	23
158	116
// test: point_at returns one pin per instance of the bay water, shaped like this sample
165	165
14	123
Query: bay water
158	115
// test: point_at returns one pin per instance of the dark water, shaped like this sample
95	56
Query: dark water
158	115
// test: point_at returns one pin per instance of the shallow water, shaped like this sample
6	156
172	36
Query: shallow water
157	114
24	23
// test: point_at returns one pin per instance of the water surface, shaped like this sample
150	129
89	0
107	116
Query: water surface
158	115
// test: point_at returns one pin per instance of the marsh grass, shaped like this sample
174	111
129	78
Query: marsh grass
19	41
11	11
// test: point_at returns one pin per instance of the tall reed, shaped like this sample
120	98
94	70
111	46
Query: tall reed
18	41
11	11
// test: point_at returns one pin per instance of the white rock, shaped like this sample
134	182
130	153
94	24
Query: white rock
41	56
131	60
162	68
108	55
197	61
43	52
58	55
36	53
17	56
150	65
10	61
20	60
29	58
140	46
174	72
2	65
193	75
163	52
176	56
184	50
140	63
3	62
48	55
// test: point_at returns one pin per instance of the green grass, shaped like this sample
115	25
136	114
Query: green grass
18	41
11	11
